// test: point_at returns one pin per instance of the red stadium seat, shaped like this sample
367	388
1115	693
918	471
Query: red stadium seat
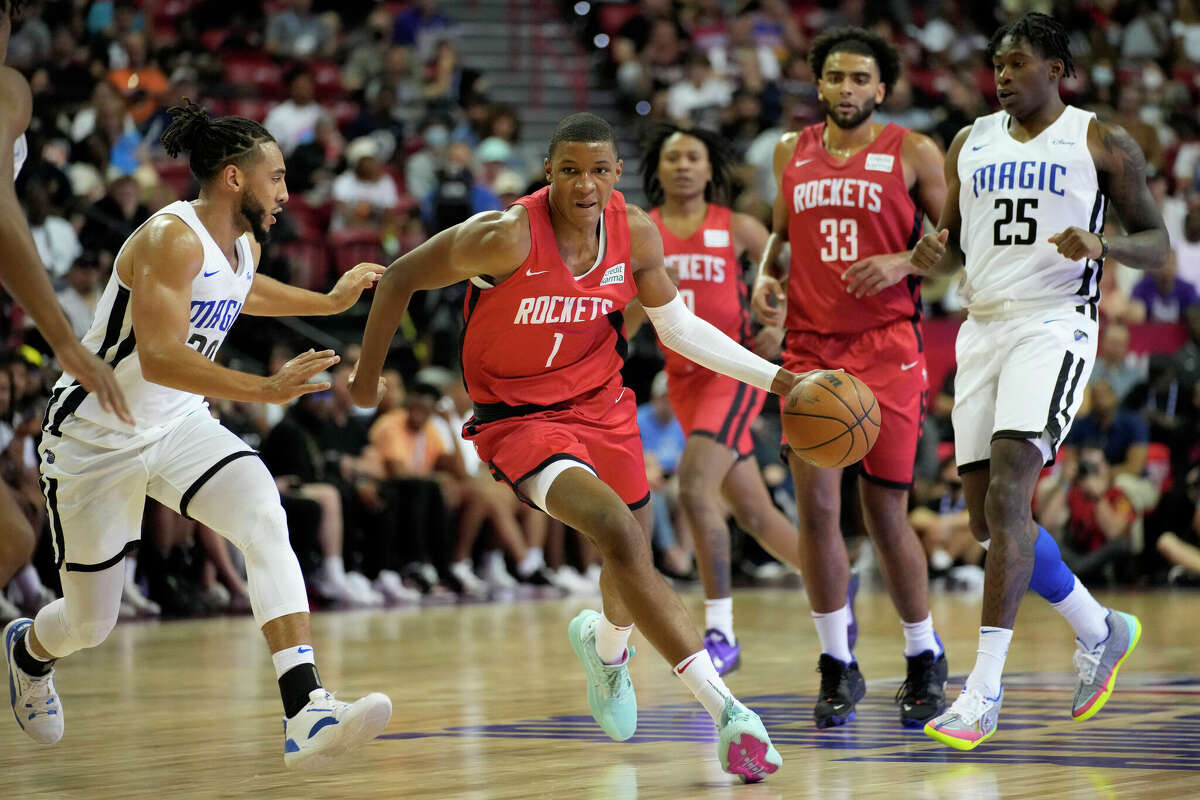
177	175
328	79
252	107
613	16
255	74
354	247
308	263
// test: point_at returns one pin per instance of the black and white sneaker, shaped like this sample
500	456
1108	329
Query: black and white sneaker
922	696
842	686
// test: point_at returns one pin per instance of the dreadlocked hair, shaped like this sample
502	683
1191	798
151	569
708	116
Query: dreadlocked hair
212	144
1043	32
859	42
720	158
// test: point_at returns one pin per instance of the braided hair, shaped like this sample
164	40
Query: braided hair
1043	32
720	158
212	144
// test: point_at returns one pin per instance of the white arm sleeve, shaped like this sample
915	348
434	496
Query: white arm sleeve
693	338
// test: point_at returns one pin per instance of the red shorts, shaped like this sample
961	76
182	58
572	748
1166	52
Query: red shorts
891	361
599	430
717	406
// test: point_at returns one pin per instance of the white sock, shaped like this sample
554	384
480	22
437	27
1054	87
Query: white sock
700	676
989	662
719	614
984	544
532	562
919	637
130	569
27	581
611	640
831	630
334	568
292	657
1084	614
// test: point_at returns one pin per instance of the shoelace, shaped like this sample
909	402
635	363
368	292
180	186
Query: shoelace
969	706
916	685
36	687
1087	662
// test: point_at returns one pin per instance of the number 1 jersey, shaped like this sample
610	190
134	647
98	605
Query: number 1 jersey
840	212
543	336
1013	196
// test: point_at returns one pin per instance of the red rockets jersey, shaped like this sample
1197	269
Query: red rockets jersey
542	336
840	213
710	279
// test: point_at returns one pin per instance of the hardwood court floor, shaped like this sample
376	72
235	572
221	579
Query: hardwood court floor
490	703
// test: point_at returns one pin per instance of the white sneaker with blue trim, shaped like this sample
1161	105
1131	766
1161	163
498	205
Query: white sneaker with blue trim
327	728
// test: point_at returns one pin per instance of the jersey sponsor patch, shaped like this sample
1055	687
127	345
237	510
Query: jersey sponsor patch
716	237
880	162
614	274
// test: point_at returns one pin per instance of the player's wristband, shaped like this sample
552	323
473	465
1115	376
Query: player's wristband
1103	245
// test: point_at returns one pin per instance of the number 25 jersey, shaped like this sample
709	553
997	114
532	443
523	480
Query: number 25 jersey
543	336
1013	196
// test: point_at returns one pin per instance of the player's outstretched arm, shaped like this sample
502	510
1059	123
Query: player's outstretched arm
767	297
940	253
160	263
21	268
492	243
923	159
271	298
1122	170
680	329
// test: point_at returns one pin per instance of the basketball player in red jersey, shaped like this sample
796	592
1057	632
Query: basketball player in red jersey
26	278
684	173
852	198
542	352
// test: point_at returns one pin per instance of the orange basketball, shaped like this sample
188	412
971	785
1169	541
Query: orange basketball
831	419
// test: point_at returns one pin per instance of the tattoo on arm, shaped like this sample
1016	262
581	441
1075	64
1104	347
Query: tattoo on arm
1123	180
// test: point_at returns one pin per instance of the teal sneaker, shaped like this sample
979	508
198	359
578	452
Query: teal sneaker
744	748
610	691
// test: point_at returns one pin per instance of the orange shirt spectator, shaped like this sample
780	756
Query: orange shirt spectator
408	444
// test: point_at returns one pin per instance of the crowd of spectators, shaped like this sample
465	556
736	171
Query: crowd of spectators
390	135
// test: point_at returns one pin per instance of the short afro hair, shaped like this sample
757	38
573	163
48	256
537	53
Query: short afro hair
860	42
582	127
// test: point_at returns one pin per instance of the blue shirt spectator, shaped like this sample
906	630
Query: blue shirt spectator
662	435
1165	296
1119	432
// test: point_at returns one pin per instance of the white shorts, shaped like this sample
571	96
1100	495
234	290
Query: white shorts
1020	379
95	494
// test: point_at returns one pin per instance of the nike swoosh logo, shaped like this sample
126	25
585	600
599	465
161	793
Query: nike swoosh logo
531	273
303	649
978	146
1047	322
802	163
907	367
210	274
683	669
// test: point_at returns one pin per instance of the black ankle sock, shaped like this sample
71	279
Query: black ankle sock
26	662
294	687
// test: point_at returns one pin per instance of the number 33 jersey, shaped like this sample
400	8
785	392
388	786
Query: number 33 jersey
840	212
543	336
1013	196
218	293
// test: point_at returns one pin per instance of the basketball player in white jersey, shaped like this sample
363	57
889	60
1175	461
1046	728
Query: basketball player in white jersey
178	284
26	279
1028	188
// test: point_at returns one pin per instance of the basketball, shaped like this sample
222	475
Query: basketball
831	419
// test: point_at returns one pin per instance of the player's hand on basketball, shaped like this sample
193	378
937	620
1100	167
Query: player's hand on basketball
1076	243
359	393
768	341
350	286
875	273
768	301
292	379
929	251
97	377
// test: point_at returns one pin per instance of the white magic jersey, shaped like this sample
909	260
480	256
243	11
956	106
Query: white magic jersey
20	153
218	293
1013	197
